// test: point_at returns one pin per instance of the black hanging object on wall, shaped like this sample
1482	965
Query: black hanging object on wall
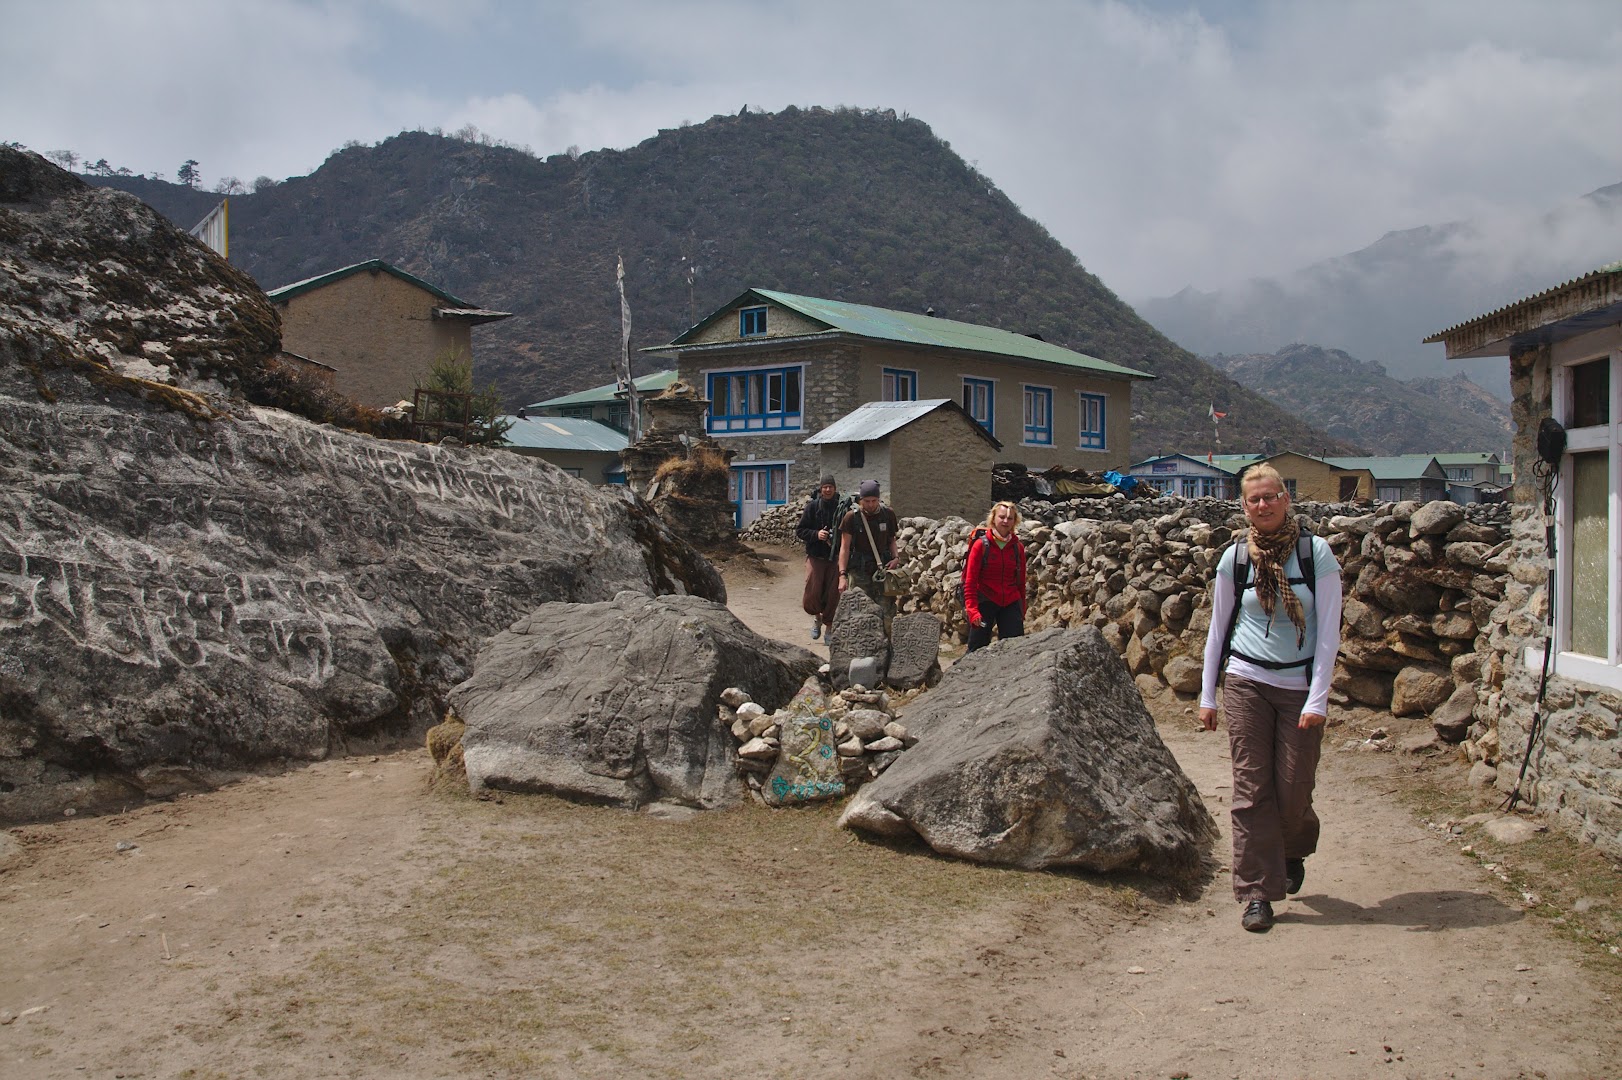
1551	441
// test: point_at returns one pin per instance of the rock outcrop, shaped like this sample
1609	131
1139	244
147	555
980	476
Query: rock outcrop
190	586
617	702
1038	752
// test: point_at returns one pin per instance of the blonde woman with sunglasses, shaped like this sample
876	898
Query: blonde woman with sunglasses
1278	659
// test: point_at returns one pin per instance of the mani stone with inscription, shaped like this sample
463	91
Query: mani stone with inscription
616	702
858	633
1039	753
191	586
915	643
807	768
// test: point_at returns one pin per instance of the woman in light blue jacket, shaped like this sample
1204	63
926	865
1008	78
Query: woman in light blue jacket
1278	652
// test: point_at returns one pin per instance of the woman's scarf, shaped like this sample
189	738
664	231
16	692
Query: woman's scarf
1268	554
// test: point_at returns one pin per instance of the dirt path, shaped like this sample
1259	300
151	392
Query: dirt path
342	920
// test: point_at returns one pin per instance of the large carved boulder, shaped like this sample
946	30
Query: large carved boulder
190	586
616	702
1038	752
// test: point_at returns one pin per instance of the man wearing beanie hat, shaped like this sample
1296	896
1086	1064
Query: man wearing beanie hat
868	542
819	532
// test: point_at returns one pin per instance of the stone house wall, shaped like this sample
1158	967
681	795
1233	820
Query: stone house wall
1575	772
940	466
877	464
376	330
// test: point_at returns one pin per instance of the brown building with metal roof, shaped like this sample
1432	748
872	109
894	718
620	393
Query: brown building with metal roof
377	326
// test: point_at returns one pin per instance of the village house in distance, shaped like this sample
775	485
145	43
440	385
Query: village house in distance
379	328
778	368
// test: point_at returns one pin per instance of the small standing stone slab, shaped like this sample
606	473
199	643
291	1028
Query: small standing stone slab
807	768
915	640
858	632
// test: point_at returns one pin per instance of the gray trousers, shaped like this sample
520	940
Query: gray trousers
1275	765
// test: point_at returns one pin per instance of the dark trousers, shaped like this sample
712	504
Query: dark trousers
1275	764
1009	619
821	596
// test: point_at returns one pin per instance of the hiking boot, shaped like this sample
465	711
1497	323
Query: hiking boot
816	631
1258	917
1295	875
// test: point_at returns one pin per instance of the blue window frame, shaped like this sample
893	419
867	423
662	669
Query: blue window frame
753	488
752	322
899	385
979	398
1038	416
754	400
1092	421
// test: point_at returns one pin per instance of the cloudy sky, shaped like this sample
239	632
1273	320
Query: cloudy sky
1165	143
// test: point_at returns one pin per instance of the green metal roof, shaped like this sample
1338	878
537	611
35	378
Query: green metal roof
908	328
1401	467
287	292
562	433
597	395
1467	459
1232	462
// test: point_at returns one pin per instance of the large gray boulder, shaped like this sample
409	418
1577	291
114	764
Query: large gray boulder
615	702
1038	752
190	586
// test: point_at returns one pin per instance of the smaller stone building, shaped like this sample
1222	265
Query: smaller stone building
377	326
930	457
1311	479
1404	477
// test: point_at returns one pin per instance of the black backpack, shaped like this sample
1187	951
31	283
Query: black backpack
1241	578
982	536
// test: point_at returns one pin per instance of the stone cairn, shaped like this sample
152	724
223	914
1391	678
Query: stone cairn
822	745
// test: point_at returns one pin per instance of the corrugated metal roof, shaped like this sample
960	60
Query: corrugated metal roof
1400	467
1233	462
648	384
471	314
287	292
905	327
877	419
1536	297
562	433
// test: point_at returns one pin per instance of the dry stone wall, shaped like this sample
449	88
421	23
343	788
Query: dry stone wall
1421	584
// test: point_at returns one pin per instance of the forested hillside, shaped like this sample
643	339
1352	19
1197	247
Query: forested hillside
852	205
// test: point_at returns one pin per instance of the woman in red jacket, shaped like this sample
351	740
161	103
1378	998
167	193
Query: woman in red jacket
994	579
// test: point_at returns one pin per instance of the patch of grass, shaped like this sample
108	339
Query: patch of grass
558	939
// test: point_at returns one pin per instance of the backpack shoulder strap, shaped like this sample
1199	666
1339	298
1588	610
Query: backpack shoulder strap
1241	578
1307	561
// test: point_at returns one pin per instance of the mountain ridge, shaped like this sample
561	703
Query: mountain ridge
1381	301
857	205
1341	394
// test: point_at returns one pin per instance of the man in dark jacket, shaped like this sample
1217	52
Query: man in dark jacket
819	532
869	534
